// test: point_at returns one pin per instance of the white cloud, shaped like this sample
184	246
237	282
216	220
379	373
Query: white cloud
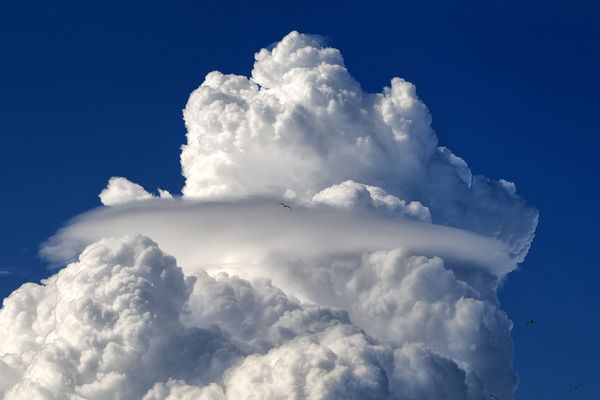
353	195
302	124
238	235
179	390
379	282
120	190
107	326
434	324
124	322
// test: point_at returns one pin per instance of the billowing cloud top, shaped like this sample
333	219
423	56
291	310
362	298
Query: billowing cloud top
301	125
379	281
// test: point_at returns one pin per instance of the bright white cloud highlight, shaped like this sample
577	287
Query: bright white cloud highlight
353	195
380	281
120	190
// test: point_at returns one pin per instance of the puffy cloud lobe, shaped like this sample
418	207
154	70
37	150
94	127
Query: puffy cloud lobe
423	374
106	327
350	194
341	364
179	390
312	122
124	322
403	299
436	325
244	310
120	190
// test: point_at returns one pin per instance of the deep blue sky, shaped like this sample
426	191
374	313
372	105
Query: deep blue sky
92	91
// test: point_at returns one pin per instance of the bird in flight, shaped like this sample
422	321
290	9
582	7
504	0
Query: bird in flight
530	322
493	397
575	387
285	205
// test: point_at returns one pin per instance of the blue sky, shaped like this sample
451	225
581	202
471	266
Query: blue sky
92	91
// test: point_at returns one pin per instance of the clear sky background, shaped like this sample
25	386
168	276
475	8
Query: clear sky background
91	91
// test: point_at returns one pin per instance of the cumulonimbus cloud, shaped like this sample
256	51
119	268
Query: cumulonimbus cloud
379	281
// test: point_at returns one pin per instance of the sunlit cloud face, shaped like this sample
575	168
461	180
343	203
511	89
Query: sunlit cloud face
324	247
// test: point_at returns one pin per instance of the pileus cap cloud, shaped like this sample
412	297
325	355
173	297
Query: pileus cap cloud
379	282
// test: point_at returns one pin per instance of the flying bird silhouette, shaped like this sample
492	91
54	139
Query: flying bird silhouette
493	397
575	387
530	322
285	205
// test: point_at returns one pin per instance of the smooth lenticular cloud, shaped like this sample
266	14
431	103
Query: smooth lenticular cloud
379	282
223	234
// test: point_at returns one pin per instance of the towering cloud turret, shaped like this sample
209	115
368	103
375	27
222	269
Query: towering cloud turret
301	124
